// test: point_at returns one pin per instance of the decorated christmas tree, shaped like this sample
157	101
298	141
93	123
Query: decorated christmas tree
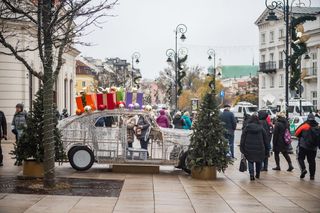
208	147
30	145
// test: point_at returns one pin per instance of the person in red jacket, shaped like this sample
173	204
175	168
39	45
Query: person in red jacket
307	146
163	120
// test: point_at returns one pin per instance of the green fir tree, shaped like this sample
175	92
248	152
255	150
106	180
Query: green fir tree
30	145
208	147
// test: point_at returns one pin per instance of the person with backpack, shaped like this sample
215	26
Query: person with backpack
254	145
308	134
268	129
280	142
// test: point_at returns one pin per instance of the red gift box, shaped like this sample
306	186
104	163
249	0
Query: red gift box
111	103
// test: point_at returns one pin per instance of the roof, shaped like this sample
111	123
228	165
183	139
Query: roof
295	11
238	71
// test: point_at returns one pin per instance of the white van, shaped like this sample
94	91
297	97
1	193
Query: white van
243	108
294	107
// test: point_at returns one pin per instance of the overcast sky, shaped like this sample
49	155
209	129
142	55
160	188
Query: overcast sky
147	26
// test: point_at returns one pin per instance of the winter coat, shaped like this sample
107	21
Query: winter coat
19	120
178	122
163	120
305	137
3	125
266	126
187	122
253	142
130	129
279	145
229	121
146	128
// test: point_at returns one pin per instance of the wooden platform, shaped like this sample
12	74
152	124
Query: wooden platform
135	168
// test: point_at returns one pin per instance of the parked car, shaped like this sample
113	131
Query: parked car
101	137
242	108
294	107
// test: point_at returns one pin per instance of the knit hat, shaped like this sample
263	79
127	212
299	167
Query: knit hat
178	113
311	117
282	114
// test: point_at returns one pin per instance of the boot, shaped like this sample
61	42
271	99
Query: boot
303	174
252	177
276	168
290	167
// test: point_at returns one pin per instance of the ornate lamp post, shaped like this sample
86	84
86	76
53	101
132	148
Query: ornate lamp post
211	53
134	59
180	29
284	6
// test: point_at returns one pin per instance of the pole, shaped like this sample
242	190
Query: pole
132	73
176	69
214	69
286	14
300	90
30	91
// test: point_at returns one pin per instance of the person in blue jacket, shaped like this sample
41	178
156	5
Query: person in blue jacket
187	120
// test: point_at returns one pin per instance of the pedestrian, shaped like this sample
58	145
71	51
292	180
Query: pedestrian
279	144
230	124
3	133
254	145
163	120
187	120
19	121
144	127
307	146
268	129
178	122
130	130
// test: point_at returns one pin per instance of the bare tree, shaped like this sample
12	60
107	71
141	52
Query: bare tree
50	27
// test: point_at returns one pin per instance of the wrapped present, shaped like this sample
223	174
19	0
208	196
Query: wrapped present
120	95
140	99
79	104
100	101
128	99
111	104
90	102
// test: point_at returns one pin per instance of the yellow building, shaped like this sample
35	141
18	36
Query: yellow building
85	78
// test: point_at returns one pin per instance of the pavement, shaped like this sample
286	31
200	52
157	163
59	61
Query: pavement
174	191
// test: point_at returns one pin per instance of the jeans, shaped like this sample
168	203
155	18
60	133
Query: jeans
265	163
311	158
251	167
230	138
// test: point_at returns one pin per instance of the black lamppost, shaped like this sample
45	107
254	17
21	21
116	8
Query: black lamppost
134	59
211	53
284	5
180	29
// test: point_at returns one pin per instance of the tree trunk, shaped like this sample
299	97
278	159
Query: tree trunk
48	126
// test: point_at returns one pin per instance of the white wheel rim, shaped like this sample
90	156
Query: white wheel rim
81	158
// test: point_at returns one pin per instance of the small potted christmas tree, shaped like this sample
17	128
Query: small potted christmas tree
208	148
29	149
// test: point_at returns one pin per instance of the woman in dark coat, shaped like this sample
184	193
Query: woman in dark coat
268	128
278	142
254	145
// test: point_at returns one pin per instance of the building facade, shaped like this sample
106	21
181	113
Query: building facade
272	58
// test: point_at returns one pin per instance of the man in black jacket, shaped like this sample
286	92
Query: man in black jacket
230	123
3	133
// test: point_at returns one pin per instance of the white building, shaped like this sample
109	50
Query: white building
14	80
272	58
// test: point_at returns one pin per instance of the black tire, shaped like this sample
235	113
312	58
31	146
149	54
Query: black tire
183	162
70	151
87	160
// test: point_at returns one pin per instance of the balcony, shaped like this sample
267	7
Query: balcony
268	67
311	72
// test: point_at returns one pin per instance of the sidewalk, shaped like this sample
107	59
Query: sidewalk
173	191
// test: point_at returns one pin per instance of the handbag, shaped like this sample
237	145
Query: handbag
243	164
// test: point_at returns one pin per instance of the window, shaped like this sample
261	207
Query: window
314	96
240	109
83	83
263	82
281	60
263	58
271	37
271	57
65	92
70	95
281	82
314	64
281	33
272	82
263	38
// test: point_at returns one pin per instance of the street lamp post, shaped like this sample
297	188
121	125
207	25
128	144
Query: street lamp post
211	53
134	59
284	5
180	29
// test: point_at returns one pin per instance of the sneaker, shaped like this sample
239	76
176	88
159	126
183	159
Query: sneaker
252	177
264	170
311	177
276	168
290	168
257	176
303	174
